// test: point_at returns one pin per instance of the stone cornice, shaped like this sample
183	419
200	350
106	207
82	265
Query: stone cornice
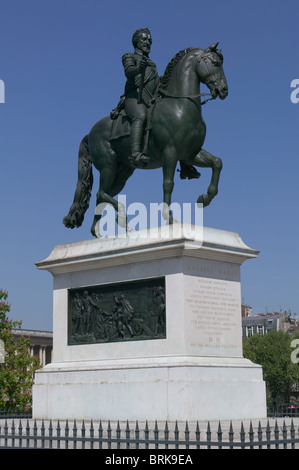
148	245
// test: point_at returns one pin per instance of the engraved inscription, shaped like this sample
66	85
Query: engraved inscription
117	312
213	307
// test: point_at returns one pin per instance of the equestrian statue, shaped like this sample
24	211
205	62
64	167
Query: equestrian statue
156	124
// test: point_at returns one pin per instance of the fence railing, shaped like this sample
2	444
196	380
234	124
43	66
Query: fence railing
63	435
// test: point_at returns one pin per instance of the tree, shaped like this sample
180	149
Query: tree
17	371
273	353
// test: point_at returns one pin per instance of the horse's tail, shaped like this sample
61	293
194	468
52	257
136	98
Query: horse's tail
80	204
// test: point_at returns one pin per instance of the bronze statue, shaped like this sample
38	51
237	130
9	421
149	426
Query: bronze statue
140	90
168	110
142	82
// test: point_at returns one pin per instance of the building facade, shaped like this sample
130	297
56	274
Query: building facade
41	344
263	323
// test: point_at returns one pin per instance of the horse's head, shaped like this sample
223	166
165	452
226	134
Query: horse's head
210	72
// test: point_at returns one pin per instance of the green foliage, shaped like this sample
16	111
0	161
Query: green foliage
17	372
273	353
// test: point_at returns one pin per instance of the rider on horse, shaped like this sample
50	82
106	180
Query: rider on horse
141	86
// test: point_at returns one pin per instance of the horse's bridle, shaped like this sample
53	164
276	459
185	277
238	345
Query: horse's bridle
190	97
210	80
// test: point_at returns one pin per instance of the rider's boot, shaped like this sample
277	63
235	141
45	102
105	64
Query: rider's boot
188	171
137	157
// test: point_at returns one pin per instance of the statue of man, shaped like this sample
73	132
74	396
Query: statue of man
142	81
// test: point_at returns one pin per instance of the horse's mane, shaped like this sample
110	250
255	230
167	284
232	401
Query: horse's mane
168	71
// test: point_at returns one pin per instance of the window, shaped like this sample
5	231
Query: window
249	331
261	330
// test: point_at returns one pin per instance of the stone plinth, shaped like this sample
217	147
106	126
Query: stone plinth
195	370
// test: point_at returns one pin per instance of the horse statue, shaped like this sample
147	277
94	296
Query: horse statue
177	133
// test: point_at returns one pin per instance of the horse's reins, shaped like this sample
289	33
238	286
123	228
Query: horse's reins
169	95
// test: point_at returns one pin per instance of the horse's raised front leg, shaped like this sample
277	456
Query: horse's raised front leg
207	160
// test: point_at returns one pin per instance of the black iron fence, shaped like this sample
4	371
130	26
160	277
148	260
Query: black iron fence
64	435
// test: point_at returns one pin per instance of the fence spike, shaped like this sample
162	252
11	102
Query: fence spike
251	432
100	431
284	433
197	431
231	431
231	434
176	430
136	428
91	433
219	434
197	435
276	434
166	430
83	434
137	434
146	434
118	432
242	433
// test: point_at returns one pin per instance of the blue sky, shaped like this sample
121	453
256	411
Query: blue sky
61	65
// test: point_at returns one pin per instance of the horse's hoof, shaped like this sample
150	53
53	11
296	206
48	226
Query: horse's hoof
204	199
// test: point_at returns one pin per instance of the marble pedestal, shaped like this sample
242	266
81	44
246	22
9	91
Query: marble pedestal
196	372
